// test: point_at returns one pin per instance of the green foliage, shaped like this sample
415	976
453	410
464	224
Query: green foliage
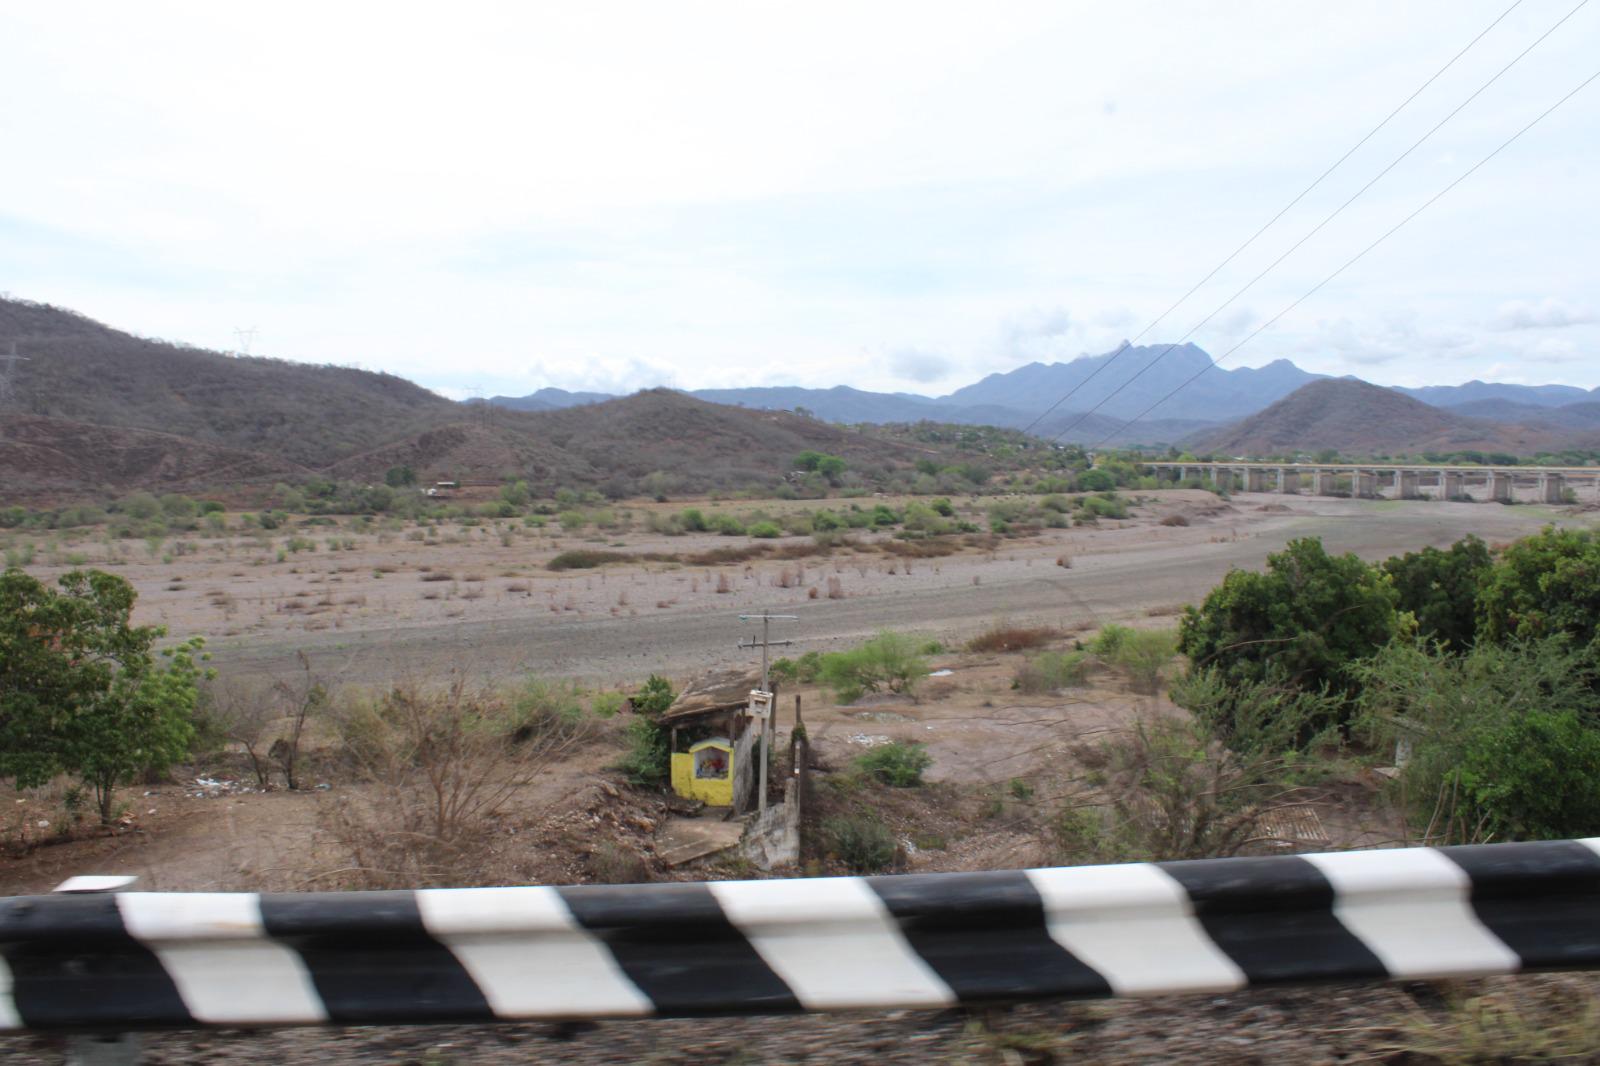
606	704
81	691
1052	670
1258	718
397	477
888	661
727	525
647	762
897	764
1504	739
1096	480
654	696
1143	653
1301	623
1542	585
1440	588
765	530
785	669
861	841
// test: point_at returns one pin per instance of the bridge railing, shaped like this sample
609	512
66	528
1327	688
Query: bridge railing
134	960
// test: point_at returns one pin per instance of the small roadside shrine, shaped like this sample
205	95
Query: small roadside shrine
716	741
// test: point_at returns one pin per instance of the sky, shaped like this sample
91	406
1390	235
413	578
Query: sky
494	198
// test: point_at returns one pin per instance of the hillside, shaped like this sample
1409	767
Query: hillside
698	445
79	370
1358	419
1574	416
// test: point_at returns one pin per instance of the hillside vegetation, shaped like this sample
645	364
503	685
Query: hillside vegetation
1354	418
81	371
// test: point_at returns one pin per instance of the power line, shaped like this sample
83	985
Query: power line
1334	214
1353	259
1281	212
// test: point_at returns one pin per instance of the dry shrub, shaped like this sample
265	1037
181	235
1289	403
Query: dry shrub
723	584
813	592
442	765
1064	561
1175	520
1004	636
1169	789
517	586
437	575
931	548
835	588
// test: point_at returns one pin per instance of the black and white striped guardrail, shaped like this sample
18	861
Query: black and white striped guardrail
175	960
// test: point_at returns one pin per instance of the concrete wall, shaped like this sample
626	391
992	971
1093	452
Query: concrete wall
772	838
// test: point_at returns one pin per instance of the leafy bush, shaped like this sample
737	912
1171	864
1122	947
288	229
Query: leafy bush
785	669
765	530
606	704
1542	585
647	762
1143	653
1096	481
1052	670
1503	740
1440	588
897	764
1301	623
727	525
887	661
861	841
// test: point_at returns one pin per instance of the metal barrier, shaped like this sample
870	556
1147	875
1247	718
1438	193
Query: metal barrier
133	960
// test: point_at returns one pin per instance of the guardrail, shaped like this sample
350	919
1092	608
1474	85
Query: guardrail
134	960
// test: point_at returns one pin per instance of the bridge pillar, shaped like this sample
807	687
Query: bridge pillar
1365	484
1452	486
1551	487
1408	484
1500	486
1255	479
1323	482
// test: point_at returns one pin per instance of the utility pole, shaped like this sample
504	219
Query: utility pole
765	644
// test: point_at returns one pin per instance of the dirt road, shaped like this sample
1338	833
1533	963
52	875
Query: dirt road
1115	576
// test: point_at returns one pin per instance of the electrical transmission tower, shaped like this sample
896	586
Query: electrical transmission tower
8	374
245	337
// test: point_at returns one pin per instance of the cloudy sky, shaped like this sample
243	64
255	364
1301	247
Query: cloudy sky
492	198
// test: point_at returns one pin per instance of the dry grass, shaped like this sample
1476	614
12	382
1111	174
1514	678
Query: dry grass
1004	637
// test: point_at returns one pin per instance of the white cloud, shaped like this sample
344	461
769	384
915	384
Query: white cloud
919	366
1548	313
730	193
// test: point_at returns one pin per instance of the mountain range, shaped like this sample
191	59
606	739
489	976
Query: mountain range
1095	397
91	410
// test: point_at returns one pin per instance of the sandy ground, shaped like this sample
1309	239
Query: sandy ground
481	598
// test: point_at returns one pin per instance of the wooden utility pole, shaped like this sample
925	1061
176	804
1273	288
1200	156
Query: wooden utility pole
765	644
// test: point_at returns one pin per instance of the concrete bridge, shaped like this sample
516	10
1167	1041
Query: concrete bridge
1506	484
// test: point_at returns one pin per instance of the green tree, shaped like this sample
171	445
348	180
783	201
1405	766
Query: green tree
1503	742
398	477
1300	624
81	691
1545	584
1440	588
